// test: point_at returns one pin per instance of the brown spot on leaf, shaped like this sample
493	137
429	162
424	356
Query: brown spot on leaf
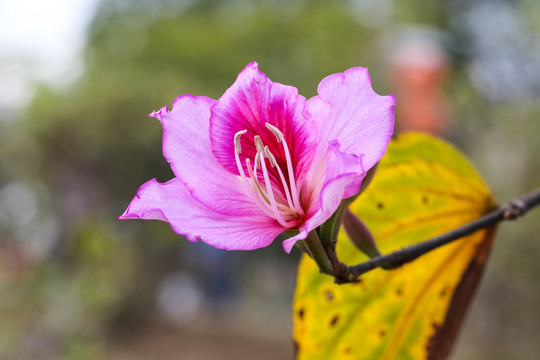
443	293
382	333
329	296
425	200
334	321
380	205
301	313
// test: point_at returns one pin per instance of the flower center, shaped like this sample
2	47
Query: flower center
286	210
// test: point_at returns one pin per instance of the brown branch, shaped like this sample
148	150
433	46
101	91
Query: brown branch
515	209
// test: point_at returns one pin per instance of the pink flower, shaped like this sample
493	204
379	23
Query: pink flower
262	160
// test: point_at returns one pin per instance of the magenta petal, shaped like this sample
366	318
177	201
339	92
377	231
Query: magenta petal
348	110
331	195
344	176
289	243
185	132
248	104
186	145
340	163
172	202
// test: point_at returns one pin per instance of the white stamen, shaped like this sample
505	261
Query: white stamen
259	192
237	151
257	163
237	144
259	145
264	195
279	135
273	161
257	185
260	148
281	138
271	158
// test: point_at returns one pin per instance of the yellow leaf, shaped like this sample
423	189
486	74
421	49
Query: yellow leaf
424	187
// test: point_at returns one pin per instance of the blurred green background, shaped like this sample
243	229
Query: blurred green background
75	145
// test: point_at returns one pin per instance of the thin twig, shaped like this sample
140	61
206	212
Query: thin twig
516	208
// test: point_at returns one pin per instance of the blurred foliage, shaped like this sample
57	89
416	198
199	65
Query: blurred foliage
70	166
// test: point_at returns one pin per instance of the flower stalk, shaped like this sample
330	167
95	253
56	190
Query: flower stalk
317	251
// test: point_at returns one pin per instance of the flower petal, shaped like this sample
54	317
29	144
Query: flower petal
186	146
344	176
172	202
331	196
251	102
348	110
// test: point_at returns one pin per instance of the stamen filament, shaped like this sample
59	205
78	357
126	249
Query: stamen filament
257	162
254	187
270	193
274	163
265	195
258	191
237	151
281	138
258	188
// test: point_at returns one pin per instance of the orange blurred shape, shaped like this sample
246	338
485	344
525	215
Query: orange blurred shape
418	73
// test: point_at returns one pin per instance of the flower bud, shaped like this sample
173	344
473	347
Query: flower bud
359	234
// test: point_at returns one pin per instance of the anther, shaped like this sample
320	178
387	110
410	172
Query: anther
271	158
279	135
259	145
256	163
237	144
237	151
